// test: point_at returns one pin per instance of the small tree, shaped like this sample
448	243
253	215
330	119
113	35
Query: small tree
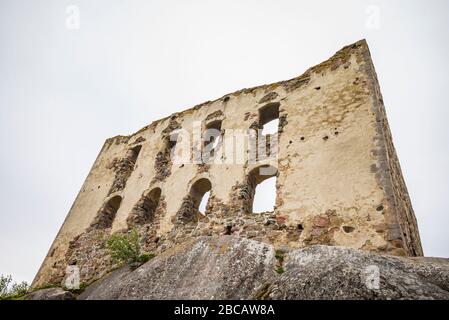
125	248
5	281
11	290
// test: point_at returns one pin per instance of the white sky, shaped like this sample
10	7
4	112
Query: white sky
63	92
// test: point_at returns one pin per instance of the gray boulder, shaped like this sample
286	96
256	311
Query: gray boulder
50	294
208	268
324	272
230	267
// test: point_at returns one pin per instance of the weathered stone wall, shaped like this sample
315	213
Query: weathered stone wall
338	179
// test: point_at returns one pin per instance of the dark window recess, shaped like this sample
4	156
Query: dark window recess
195	202
145	209
123	169
106	215
269	129
269	118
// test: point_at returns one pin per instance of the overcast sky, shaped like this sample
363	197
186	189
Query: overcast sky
64	90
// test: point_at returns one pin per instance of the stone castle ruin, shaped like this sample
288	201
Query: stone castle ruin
338	179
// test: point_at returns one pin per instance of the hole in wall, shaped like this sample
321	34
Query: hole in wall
380	208
348	229
228	230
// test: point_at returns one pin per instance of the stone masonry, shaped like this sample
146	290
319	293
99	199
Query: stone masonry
338	179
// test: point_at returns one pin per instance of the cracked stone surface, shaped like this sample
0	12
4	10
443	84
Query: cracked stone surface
230	267
50	294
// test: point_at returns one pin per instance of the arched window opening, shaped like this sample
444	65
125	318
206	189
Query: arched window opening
269	128
198	193
259	179
133	153
173	140
145	209
195	203
269	118
265	196
165	157
212	139
124	168
179	147
107	213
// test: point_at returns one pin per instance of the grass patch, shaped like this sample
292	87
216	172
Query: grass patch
280	270
280	256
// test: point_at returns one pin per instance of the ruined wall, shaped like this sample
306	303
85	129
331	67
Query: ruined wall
338	177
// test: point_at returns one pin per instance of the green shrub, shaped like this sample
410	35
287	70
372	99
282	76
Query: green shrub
279	256
145	257
280	270
126	248
12	290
